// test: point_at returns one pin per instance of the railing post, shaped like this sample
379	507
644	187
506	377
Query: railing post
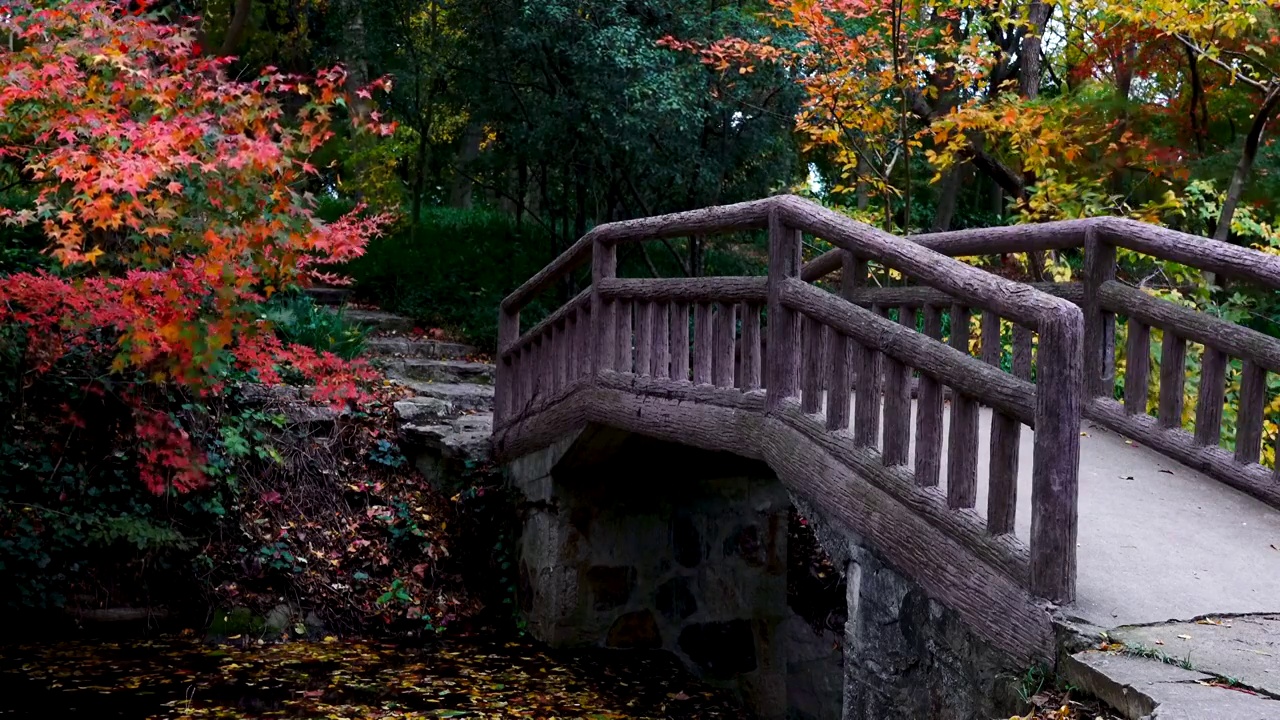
604	266
1099	324
504	382
784	324
1056	464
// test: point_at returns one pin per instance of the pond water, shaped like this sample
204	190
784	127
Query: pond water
176	677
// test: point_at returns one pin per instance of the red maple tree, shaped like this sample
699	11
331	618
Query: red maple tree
174	200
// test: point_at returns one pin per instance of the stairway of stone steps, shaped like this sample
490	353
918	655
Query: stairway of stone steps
446	421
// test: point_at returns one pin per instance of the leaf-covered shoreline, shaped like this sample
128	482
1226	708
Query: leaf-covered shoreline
177	678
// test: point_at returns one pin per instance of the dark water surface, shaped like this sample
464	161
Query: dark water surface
174	678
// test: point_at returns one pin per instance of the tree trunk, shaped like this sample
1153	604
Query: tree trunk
236	29
460	194
420	179
1029	68
522	189
1245	166
948	192
1198	130
864	198
695	256
354	51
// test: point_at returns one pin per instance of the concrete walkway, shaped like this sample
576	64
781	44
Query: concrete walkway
1158	541
1181	571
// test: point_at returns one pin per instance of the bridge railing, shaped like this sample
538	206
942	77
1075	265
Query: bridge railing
1104	299
837	372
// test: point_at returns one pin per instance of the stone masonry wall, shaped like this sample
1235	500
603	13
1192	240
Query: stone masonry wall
649	551
906	656
655	546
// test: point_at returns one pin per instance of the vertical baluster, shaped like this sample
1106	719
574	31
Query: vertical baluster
1022	346
505	391
784	323
811	378
1055	464
535	373
962	445
866	415
558	357
1138	368
1173	379
839	381
1099	324
506	381
1213	368
703	339
526	376
680	342
626	357
588	344
897	401
644	337
604	266
547	365
863	363
574	335
750	347
722	349
991	338
564	353
1253	403
661	367
1006	433
517	382
929	404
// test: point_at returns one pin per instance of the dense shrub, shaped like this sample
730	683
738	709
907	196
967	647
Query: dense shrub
453	269
297	319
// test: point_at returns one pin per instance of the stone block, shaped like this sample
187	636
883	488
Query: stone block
720	650
686	541
636	631
675	599
610	587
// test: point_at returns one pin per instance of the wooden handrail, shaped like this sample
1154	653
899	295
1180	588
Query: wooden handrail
590	339
954	368
1193	251
1240	342
1054	413
968	284
751	215
712	289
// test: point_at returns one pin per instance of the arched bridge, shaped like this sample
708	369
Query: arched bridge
1014	487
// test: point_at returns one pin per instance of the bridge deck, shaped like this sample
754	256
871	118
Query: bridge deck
1158	540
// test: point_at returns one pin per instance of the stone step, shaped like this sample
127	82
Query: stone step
1147	683
330	296
462	397
466	438
440	371
424	411
407	347
464	424
377	320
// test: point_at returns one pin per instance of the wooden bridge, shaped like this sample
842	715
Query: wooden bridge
870	405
